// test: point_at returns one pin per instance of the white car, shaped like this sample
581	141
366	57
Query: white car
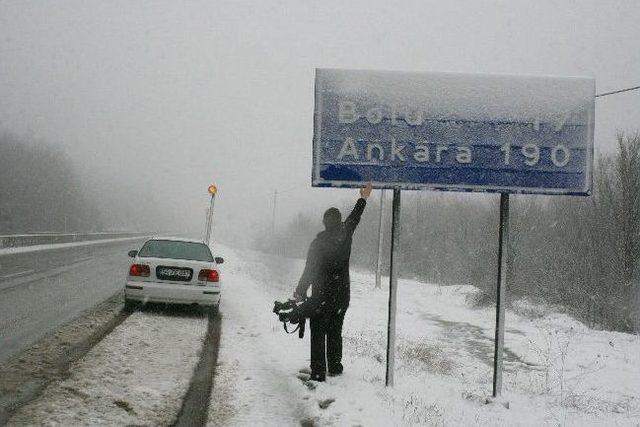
173	270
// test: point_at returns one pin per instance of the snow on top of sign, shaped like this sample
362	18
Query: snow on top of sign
482	97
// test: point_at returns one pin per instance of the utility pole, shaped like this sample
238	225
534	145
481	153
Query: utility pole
64	209
380	240
417	211
273	215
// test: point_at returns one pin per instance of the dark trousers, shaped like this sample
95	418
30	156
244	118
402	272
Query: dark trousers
326	333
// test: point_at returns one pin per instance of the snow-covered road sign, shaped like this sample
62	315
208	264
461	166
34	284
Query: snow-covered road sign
445	131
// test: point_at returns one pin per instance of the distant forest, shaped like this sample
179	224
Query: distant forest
40	191
578	253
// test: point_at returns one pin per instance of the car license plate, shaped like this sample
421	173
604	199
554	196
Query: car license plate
175	272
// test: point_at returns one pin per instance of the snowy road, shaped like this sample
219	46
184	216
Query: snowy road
39	290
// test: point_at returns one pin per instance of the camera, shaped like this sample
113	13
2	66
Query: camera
287	311
295	312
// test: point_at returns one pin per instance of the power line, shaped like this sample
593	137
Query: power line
618	91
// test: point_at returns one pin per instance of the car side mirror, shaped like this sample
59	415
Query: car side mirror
219	260
133	254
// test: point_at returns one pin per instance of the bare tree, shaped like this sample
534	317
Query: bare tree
580	254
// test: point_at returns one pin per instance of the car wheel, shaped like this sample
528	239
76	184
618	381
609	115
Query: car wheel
214	309
130	305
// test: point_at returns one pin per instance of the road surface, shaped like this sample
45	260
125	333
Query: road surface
43	289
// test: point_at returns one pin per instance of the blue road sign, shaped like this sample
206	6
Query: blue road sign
446	131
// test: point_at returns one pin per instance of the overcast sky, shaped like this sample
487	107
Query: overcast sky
169	96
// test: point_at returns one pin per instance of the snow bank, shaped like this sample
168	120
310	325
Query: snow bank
255	382
557	371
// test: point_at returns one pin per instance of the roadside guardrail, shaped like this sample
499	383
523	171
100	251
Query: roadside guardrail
20	240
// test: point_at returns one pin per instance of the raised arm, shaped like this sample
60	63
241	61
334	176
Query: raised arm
354	217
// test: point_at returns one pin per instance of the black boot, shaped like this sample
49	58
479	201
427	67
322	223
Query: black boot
336	370
318	376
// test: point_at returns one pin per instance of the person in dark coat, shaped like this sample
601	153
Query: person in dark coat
327	272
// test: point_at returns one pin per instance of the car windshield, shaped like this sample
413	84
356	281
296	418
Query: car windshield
176	250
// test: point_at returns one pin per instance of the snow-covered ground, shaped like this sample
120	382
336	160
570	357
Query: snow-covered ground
137	375
557	371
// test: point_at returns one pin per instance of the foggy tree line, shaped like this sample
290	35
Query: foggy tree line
39	190
577	253
584	252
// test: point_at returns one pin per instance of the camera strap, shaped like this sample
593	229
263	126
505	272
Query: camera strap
287	330
300	328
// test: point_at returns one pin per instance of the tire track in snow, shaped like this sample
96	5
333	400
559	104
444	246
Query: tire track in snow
195	405
136	375
29	382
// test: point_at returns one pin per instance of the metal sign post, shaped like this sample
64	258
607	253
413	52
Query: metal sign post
393	288
501	287
380	241
206	223
209	223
